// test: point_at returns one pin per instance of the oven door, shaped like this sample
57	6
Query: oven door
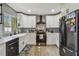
12	48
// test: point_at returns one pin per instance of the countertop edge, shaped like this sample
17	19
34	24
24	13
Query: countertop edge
6	39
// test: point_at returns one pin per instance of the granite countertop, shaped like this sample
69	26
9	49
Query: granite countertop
8	38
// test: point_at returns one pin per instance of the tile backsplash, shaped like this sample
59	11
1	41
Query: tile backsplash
27	30
53	30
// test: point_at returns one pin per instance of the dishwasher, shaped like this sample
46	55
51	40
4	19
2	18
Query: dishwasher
12	47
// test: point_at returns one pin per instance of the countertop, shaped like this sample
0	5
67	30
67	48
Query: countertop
8	38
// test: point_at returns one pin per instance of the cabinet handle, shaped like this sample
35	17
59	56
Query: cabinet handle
68	50
12	43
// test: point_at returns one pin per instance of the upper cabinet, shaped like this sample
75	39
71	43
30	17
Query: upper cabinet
52	21
19	20
31	21
26	21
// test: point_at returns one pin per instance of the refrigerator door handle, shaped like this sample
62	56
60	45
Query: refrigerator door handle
69	50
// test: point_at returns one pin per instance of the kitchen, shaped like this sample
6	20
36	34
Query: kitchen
22	29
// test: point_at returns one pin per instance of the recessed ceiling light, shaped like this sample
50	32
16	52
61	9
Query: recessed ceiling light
53	10
29	10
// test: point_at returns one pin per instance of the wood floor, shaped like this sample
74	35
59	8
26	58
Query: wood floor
43	51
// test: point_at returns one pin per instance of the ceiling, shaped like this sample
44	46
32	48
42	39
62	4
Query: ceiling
36	8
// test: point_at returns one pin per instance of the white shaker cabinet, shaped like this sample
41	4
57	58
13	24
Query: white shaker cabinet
57	39
3	49
52	21
20	20
31	21
22	43
26	21
53	39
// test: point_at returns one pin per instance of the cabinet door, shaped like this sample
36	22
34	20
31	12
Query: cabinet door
25	21
32	21
57	39
52	21
51	39
21	43
3	49
20	20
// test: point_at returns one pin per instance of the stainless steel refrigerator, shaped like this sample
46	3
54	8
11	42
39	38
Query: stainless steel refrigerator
71	47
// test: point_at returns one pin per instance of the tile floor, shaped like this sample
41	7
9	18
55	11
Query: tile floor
41	51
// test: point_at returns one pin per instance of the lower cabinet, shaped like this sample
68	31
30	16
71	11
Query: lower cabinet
22	43
10	48
57	39
3	49
29	38
15	46
53	39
